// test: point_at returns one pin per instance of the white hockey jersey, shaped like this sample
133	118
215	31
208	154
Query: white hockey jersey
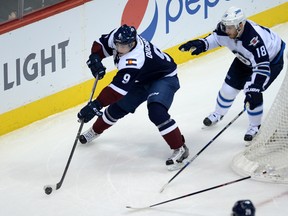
257	46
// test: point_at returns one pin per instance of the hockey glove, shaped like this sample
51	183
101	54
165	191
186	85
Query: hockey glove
90	110
96	66
254	97
196	46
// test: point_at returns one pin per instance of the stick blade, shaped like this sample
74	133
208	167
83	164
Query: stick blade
49	189
138	208
163	188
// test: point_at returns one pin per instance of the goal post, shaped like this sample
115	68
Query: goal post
266	159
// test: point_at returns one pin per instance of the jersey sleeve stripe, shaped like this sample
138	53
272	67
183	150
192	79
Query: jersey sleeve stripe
117	89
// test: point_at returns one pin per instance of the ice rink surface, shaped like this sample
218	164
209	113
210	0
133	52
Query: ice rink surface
126	164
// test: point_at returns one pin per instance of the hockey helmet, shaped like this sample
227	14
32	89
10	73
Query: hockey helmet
243	208
125	34
233	17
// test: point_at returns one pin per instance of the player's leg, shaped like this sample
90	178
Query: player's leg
255	115
110	117
114	112
224	101
160	98
235	80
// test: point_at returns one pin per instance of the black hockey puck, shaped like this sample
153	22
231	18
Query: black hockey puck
48	190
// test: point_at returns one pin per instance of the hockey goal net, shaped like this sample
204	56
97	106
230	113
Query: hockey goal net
266	159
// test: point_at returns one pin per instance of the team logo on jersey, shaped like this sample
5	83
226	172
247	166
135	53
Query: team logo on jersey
254	41
131	62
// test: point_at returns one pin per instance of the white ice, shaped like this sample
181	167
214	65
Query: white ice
126	165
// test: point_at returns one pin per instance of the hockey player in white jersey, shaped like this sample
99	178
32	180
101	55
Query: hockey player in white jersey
144	74
258	61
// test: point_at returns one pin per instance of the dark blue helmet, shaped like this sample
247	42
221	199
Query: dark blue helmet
125	34
243	208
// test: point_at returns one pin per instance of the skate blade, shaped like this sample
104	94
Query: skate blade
204	127
177	166
248	143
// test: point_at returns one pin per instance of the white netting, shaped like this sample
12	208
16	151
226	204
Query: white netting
268	151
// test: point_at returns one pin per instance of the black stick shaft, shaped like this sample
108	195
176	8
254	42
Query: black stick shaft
201	191
212	140
59	184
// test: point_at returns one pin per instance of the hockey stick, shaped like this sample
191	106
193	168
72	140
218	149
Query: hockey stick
191	194
49	188
193	158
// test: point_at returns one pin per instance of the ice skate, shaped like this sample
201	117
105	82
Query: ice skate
212	119
251	132
88	136
176	161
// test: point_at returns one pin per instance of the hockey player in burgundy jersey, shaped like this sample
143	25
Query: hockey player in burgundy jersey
258	61
144	74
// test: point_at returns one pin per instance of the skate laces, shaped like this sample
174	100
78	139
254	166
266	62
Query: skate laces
252	130
215	117
177	153
90	135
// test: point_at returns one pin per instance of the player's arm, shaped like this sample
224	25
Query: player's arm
213	39
260	76
116	90
202	44
100	50
260	64
94	61
119	86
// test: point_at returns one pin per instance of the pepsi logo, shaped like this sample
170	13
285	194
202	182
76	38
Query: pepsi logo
135	12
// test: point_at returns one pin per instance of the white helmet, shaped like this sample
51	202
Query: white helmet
233	16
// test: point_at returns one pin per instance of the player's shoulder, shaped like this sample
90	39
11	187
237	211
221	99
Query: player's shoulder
218	30
134	59
107	40
250	28
251	36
